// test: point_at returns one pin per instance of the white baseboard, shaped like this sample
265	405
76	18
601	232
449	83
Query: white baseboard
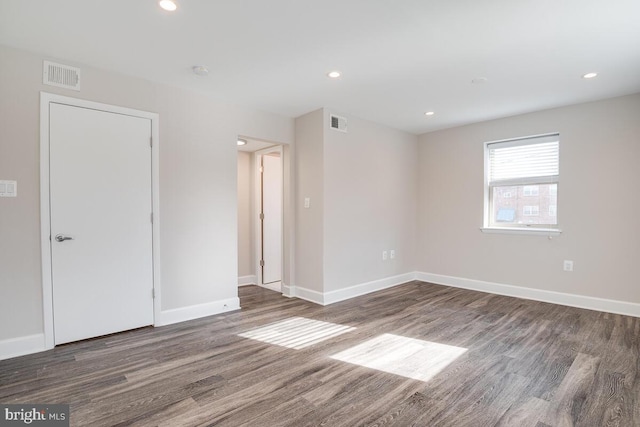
288	291
366	288
307	294
332	297
571	300
21	346
176	315
247	280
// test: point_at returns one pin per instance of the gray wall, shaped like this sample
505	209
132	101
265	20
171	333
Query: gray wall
198	184
309	172
245	224
598	203
370	187
362	186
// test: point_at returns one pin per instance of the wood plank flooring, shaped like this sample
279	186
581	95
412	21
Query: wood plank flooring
437	356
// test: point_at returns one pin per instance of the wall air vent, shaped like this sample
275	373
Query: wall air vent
338	123
61	75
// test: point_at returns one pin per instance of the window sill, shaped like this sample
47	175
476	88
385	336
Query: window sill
530	231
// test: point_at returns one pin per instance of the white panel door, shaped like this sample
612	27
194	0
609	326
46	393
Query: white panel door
101	199
272	223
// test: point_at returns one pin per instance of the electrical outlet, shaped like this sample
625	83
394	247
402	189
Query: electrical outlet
392	254
568	265
384	255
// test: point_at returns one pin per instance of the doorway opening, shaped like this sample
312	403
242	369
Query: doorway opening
261	183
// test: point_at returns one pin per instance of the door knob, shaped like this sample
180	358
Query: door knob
62	238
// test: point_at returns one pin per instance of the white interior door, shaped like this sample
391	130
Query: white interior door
272	220
101	201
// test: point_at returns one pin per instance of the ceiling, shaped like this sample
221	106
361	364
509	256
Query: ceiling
398	59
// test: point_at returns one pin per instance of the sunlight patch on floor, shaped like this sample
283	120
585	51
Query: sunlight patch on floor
407	357
296	332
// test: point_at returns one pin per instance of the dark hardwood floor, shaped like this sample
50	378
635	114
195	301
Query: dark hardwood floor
414	355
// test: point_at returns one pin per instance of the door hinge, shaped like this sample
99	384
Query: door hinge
261	263
151	217
153	293
151	141
261	216
261	169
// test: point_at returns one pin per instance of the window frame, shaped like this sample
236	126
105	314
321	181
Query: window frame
494	227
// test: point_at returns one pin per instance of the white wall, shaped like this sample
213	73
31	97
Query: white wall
598	203
198	184
362	185
370	184
245	223
309	170
288	217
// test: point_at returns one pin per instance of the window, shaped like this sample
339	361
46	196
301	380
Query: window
522	183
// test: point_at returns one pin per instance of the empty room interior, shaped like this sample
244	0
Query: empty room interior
336	213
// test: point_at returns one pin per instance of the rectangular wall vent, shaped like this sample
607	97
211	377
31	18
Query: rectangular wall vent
338	123
61	75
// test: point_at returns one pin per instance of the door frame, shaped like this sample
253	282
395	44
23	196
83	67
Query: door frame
257	155
45	210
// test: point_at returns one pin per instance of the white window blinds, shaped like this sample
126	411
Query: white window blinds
529	160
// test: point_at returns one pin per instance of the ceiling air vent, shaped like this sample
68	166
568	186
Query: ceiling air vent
338	123
61	75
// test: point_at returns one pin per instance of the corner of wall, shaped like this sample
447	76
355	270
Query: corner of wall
309	186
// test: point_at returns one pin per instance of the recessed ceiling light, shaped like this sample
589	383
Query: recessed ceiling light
429	113
168	5
590	75
334	74
200	70
241	142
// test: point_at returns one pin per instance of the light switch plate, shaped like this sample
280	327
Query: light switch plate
8	188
